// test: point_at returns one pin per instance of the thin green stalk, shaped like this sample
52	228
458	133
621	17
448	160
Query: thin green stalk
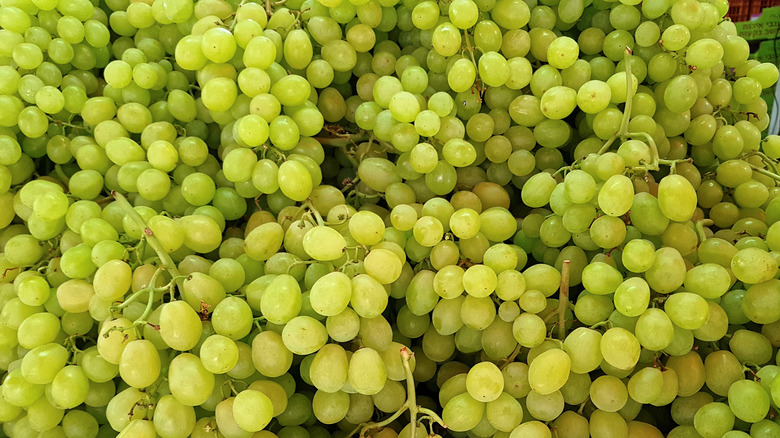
623	132
700	224
606	146
629	95
410	405
149	288
563	299
165	258
765	172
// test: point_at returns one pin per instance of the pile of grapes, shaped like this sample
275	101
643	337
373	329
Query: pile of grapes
337	218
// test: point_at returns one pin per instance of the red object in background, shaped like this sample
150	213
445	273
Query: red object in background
744	10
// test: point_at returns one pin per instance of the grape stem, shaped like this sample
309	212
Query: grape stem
623	132
141	320
765	172
601	324
410	404
511	358
700	224
268	5
477	81
280	157
317	215
149	288
770	163
563	299
165	258
629	93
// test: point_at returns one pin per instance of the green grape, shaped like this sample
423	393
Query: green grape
505	413
329	369
722	369
753	265
367	372
594	96
676	197
298	49
751	347
529	330
330	295
687	310
620	348
461	75
383	265
544	407
748	400
632	297
531	429
608	393
654	329
136	353
494	69
172	418
562	52
282	299
600	278
69	387
323	243
180	326
462	412
425	15
548	372
446	39
704	53
43	363
330	408
717	282
582	345
558	102
304	335
616	195
538	190
47	327
675	37
369	297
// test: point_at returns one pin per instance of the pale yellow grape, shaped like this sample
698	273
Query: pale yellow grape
366	227
264	241
654	329
463	412
531	429
324	243
687	310
139	365
620	348
479	281
549	371
583	347
252	410
367	372
329	369
330	295
180	325
112	339
304	335
383	265
616	195
484	382
112	280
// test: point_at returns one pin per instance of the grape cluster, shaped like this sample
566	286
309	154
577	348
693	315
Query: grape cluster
331	218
